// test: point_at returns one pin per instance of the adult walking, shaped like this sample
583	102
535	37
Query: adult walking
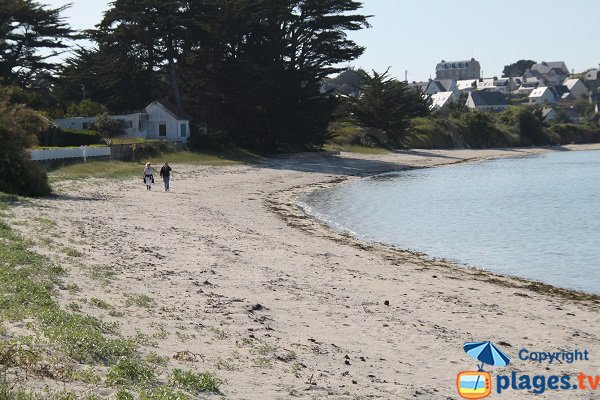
165	173
148	176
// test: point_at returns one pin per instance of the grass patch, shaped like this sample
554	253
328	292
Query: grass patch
122	169
195	382
96	169
163	393
355	148
100	303
71	252
140	300
128	371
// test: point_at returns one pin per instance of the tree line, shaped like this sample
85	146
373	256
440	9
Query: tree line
251	69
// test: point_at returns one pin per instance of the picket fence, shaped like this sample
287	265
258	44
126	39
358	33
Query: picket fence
70	152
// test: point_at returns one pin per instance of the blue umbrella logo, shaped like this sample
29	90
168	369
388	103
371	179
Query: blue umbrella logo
486	353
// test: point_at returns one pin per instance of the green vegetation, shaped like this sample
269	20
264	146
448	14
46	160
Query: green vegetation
122	169
67	345
140	300
195	382
58	137
18	128
130	372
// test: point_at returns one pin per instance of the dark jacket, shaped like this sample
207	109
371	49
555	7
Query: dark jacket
165	171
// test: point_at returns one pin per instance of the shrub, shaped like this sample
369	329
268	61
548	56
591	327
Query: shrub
56	136
428	133
19	127
20	175
151	148
108	127
575	133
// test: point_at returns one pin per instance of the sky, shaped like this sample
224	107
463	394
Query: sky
414	35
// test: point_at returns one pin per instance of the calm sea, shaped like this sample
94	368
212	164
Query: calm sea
535	217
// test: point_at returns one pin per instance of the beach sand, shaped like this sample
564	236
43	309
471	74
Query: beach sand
282	307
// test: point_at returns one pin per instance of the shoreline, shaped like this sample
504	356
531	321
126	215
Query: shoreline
291	202
275	304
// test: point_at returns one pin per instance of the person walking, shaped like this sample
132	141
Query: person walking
148	176
165	173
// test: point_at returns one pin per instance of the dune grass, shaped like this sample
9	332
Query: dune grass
57	341
122	169
355	148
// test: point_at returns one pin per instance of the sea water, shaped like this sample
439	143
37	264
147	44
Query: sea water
535	217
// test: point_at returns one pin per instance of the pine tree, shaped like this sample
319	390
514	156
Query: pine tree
31	34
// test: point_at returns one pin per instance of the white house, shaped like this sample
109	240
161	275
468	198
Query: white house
439	100
486	84
576	87
542	95
159	120
487	101
466	85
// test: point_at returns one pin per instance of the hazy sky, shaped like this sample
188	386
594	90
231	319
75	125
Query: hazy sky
414	35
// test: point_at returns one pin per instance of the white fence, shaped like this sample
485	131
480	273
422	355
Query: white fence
69	152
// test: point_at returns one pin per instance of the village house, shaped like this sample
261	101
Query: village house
458	70
467	85
441	99
159	120
487	101
552	73
542	95
576	87
528	85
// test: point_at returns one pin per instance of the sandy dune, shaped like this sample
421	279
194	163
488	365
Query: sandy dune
280	306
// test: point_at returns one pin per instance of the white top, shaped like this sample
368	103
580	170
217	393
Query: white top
148	171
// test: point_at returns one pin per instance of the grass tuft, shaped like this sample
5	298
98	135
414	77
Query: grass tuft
195	382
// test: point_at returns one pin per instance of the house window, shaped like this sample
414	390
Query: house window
86	125
183	130
162	130
128	124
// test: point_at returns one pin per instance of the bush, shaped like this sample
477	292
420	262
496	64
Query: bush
479	130
151	148
108	127
19	127
575	133
56	136
429	133
20	175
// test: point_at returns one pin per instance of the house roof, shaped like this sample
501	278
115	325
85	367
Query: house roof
466	84
490	99
546	67
446	84
440	99
569	83
436	85
485	83
419	85
539	92
172	109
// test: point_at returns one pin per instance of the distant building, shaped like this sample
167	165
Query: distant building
576	87
458	70
442	99
487	101
159	120
552	73
542	95
467	85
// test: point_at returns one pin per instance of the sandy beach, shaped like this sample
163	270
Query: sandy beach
280	306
